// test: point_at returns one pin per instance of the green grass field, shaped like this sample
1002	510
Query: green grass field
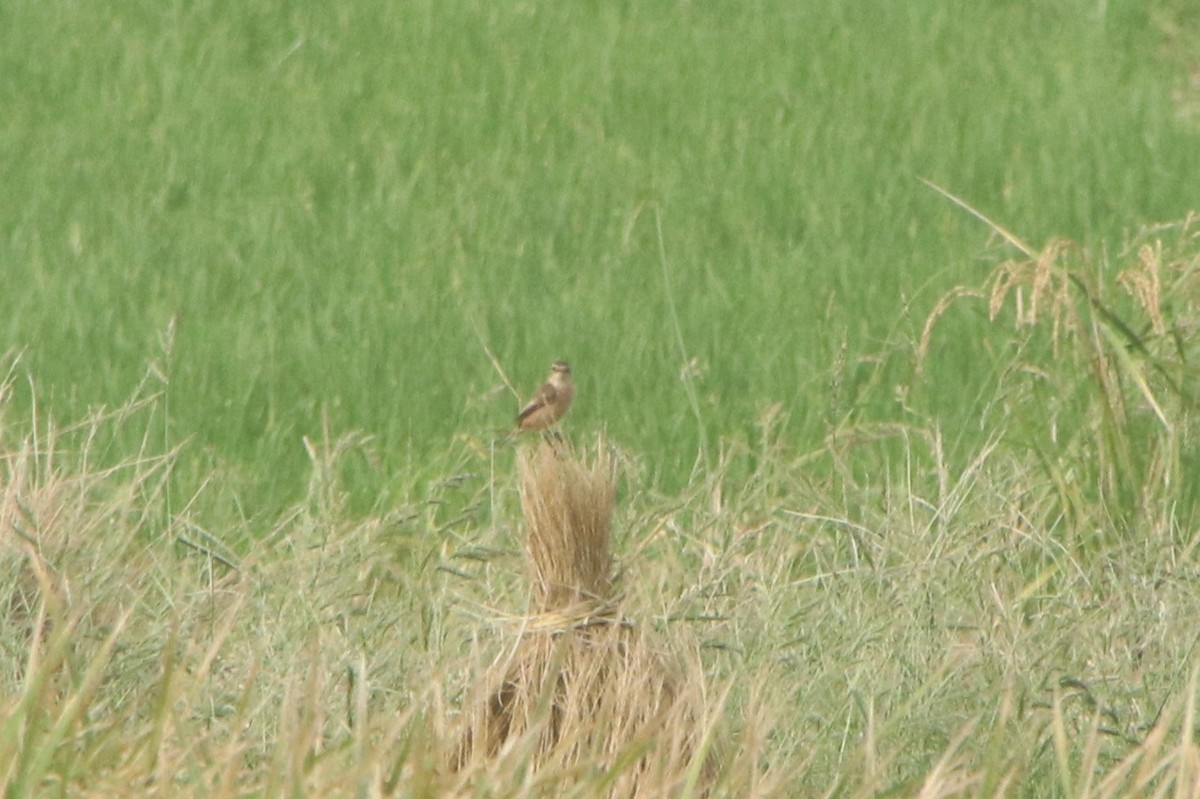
923	498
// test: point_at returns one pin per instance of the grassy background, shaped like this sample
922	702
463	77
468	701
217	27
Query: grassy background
337	203
965	559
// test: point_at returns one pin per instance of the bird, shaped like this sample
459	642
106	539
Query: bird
551	402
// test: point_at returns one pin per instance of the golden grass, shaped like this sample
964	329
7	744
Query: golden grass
568	506
1119	387
583	686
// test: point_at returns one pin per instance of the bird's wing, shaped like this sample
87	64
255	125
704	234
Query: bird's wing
545	396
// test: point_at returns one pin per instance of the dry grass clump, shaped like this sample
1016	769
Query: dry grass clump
599	696
52	512
583	686
65	613
1103	361
568	507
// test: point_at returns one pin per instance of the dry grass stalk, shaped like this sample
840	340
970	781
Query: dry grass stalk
598	696
583	686
568	505
1138	394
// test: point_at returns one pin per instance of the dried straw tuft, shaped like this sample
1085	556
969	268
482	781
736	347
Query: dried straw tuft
568	506
584	686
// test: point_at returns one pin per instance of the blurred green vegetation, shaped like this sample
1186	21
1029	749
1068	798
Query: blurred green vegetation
280	213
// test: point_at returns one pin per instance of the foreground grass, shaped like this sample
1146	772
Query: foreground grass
866	617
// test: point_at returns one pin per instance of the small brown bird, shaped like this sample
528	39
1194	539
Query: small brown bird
551	401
